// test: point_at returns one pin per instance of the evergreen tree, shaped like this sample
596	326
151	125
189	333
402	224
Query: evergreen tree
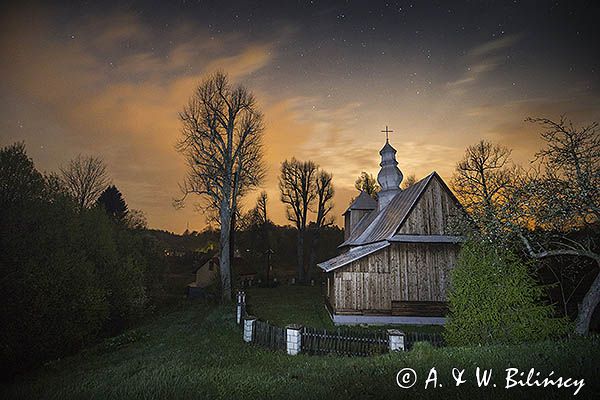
114	204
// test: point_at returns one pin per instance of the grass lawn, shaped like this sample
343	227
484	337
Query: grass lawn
195	351
289	305
304	305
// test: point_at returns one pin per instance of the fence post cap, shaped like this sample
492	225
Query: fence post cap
250	318
395	332
294	326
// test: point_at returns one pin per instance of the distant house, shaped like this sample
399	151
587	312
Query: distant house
397	253
208	273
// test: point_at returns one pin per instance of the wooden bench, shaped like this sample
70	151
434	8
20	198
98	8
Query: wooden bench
419	308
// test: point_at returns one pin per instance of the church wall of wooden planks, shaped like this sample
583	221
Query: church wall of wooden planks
412	273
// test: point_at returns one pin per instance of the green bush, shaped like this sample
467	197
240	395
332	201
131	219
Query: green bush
120	266
493	299
67	276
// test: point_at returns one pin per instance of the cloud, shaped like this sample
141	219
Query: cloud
107	92
494	45
481	60
504	121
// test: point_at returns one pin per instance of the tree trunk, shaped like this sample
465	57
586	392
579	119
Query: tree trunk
300	266
232	238
588	305
313	253
224	260
592	296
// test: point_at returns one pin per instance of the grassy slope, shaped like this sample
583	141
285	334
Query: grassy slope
196	352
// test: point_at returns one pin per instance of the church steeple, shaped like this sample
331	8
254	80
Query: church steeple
389	176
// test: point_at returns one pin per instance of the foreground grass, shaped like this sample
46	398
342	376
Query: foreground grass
196	352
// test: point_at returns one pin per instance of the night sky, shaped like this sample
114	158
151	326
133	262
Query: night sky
109	78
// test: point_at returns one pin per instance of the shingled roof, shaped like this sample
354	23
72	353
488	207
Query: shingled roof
362	202
383	224
351	255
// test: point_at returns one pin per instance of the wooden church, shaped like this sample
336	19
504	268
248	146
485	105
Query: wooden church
397	254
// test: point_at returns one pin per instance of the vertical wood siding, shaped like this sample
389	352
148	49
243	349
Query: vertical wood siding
431	214
400	272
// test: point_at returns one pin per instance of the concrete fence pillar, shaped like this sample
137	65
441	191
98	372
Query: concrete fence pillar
294	339
241	307
248	328
396	340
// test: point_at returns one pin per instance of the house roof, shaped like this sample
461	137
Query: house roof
426	239
362	202
352	255
238	264
383	224
204	260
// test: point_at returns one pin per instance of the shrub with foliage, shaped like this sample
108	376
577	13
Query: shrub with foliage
494	299
67	275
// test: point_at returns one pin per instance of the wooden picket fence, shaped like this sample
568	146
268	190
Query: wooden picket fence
344	342
341	341
267	335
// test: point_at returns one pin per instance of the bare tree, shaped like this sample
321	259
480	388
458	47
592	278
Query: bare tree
324	199
257	220
222	142
409	181
483	175
483	181
367	183
259	212
85	178
565	198
297	187
136	219
261	221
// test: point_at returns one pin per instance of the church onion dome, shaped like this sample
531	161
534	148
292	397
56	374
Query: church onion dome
389	176
387	148
362	202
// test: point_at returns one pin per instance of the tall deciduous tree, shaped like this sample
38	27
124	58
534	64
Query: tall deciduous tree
483	181
297	187
324	202
222	141
85	178
483	175
259	213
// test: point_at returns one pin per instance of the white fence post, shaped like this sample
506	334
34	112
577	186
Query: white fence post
241	307
396	340
248	328
294	339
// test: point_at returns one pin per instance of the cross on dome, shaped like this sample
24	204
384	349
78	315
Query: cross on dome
387	131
